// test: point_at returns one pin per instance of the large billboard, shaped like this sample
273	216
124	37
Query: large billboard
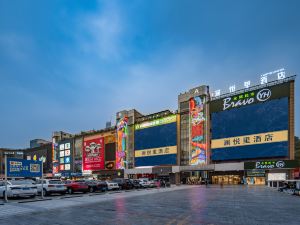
155	142
251	125
65	156
122	138
197	131
93	153
24	168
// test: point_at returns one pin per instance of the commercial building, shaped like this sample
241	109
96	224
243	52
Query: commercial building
254	126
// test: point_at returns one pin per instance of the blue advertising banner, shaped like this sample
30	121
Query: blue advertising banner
23	168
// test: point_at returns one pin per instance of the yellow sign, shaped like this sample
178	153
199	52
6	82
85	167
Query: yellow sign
156	151
157	122
252	139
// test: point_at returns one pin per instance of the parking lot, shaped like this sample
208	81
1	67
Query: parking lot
176	205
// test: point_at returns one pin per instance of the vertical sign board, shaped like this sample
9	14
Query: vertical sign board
122	133
197	132
93	154
65	151
23	168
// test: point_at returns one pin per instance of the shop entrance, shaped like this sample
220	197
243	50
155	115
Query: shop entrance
256	180
226	179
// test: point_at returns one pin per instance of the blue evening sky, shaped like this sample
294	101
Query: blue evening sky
71	65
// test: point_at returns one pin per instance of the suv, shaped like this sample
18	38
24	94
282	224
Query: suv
76	186
144	183
51	186
124	184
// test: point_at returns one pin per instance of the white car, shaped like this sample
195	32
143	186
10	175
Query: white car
112	185
144	183
18	188
51	186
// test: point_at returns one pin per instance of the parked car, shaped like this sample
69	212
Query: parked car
144	183
76	186
18	188
124	184
51	186
152	183
96	185
112	185
136	183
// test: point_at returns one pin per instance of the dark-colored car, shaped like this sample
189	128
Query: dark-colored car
136	184
124	184
96	185
76	186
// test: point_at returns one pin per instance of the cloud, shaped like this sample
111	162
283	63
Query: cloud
100	33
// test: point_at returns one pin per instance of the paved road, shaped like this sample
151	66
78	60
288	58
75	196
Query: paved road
180	205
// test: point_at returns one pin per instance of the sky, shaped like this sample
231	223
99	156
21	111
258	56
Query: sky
71	65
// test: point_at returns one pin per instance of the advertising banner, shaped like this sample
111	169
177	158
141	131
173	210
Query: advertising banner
250	97
156	144
65	155
93	154
197	133
122	136
23	168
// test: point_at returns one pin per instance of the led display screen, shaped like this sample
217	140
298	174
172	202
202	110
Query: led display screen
156	144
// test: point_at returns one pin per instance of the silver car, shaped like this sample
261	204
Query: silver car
18	188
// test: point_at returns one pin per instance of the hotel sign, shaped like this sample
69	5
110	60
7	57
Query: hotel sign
250	97
272	164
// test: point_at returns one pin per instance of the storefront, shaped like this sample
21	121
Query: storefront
227	177
256	177
264	172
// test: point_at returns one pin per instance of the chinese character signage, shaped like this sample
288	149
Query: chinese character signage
250	97
253	139
197	124
23	168
122	136
93	153
251	125
156	144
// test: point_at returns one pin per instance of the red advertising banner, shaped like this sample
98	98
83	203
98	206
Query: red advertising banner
93	154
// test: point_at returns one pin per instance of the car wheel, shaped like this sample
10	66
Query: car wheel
70	191
3	195
45	193
63	193
32	196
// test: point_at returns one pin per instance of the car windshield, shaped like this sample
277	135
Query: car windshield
21	182
55	182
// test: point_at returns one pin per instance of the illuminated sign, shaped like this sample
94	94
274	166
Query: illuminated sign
93	154
272	164
157	122
122	135
197	138
156	151
246	99
65	156
279	74
250	97
253	139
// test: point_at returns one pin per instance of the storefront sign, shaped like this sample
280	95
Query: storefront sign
272	164
157	122
253	139
250	97
156	151
122	136
23	168
93	154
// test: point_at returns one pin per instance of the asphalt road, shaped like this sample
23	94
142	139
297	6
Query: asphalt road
192	205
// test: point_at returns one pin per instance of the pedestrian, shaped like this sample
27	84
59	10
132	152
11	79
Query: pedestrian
221	184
